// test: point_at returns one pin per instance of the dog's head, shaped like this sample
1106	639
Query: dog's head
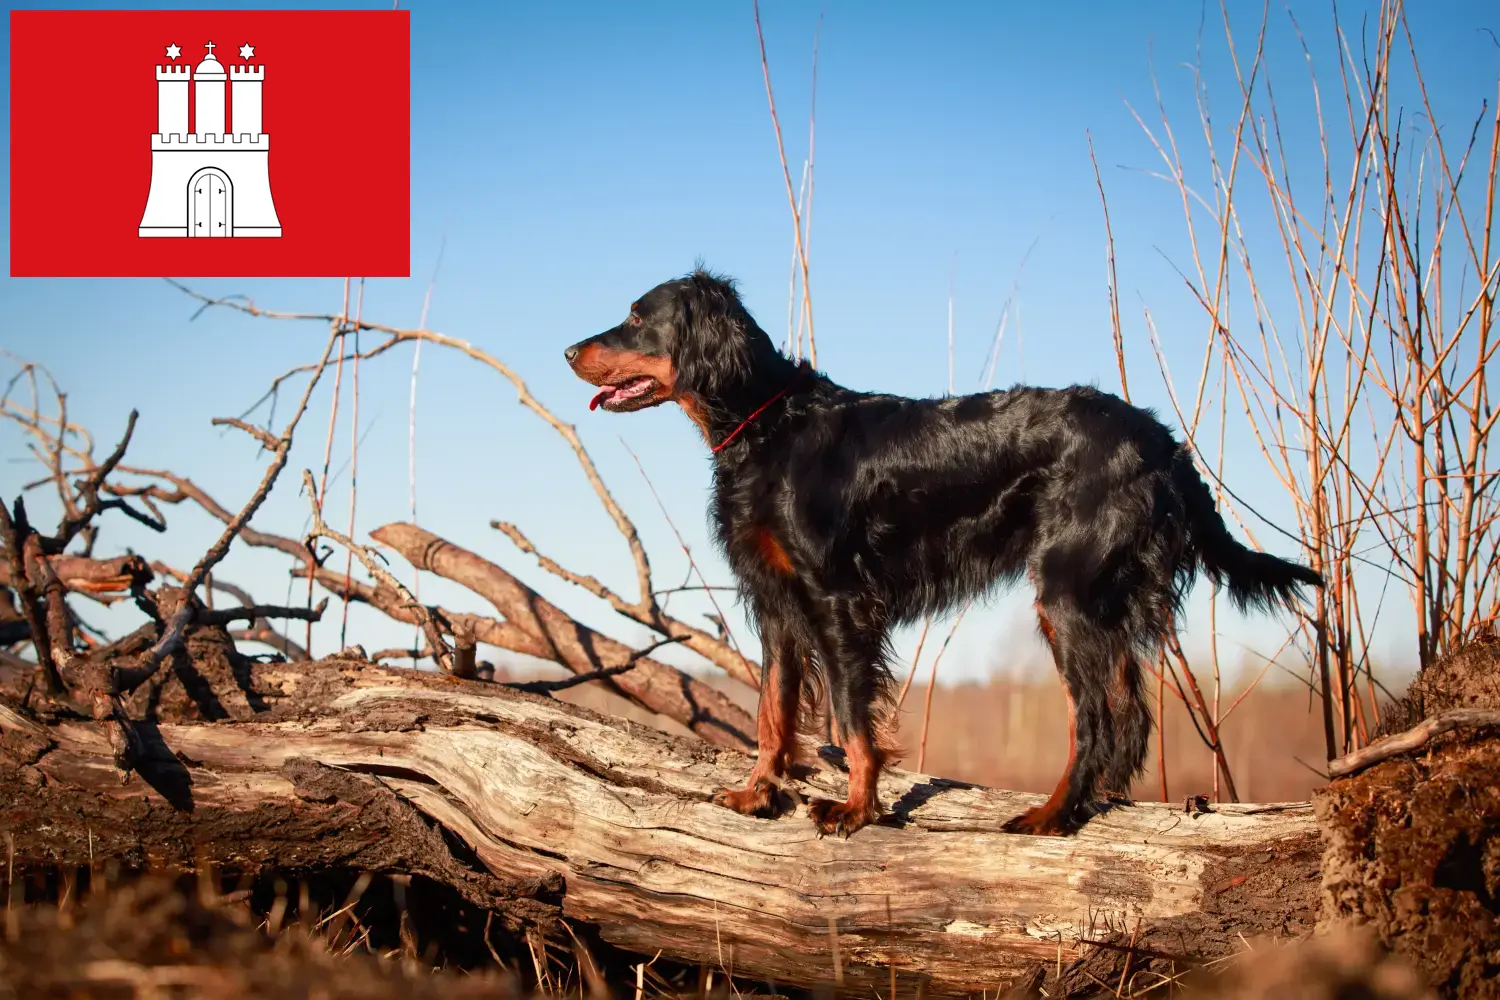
689	340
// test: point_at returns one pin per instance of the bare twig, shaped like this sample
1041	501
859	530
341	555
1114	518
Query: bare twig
442	654
224	616
264	634
400	653
932	684
549	687
89	493
1113	284
265	437
699	641
812	341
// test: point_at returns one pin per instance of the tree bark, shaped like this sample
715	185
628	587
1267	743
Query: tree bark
568	814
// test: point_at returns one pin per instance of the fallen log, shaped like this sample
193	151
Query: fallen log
538	810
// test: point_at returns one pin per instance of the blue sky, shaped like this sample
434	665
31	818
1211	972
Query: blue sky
567	157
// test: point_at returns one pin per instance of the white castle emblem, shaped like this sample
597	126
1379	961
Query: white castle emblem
211	181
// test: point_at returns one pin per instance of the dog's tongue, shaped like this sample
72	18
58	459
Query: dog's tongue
625	390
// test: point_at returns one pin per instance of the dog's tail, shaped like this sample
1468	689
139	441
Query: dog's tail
1253	579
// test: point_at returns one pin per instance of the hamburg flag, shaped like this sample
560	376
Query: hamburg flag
157	143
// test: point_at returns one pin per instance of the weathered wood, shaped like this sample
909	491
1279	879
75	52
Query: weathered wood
610	824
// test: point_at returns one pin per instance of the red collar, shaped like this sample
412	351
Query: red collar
746	422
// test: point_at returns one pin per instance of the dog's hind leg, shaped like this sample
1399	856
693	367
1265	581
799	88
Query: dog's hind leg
776	726
852	652
1132	721
1085	656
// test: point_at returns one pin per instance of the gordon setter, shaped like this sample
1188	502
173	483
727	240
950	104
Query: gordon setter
846	513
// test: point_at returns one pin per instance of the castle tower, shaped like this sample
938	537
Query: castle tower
172	99
245	82
212	181
208	95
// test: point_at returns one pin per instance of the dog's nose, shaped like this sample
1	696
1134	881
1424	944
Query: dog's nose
571	353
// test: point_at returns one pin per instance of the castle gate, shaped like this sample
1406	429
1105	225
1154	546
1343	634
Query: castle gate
210	203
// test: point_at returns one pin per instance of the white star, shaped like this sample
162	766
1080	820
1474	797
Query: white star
174	50
247	51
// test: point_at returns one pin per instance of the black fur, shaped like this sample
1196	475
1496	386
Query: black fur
890	508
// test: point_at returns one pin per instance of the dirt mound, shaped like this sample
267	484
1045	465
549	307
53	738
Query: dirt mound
150	939
1469	677
1413	844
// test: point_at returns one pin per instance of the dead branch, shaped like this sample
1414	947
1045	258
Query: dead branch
224	616
397	653
268	636
490	631
260	629
551	687
185	489
645	612
266	438
397	335
1414	738
108	688
88	492
656	686
59	623
81	574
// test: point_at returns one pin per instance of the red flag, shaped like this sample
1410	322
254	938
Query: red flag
282	136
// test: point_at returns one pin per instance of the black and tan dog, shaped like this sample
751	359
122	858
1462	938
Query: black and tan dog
845	513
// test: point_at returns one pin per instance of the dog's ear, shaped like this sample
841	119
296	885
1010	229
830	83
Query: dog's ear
716	344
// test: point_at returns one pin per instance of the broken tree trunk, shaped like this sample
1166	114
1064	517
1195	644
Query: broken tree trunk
568	814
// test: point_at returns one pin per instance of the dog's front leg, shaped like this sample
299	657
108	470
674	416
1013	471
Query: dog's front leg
862	807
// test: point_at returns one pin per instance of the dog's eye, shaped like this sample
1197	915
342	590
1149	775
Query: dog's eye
633	320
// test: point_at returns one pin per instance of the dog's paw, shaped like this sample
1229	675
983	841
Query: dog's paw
757	799
1040	822
841	819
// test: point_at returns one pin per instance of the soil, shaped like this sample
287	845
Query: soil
158	938
1272	896
1413	844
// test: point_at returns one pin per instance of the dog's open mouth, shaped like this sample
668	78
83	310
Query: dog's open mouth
613	397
